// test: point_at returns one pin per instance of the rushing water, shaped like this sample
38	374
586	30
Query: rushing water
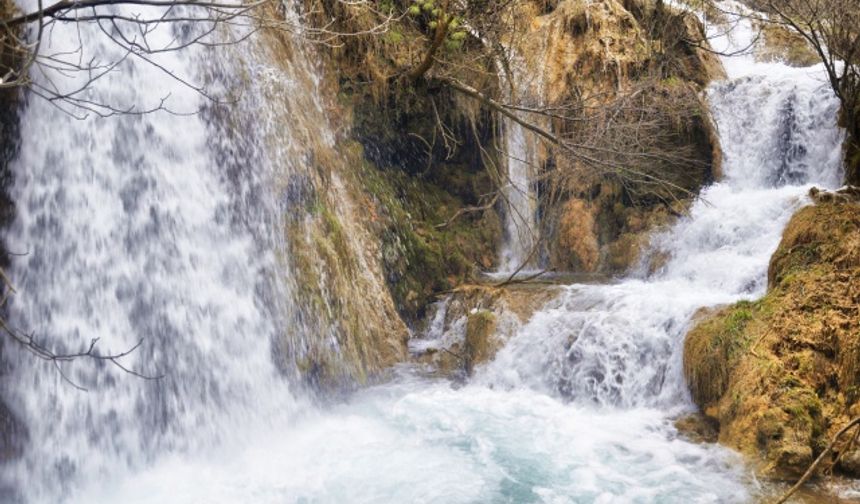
161	228
518	248
520	244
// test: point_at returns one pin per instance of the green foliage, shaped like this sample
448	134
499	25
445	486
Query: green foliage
387	6
394	36
672	81
453	45
713	349
737	319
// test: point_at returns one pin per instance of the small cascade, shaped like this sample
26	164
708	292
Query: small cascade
520	246
521	202
777	129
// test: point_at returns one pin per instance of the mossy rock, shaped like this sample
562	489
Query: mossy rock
780	375
712	349
424	252
780	43
826	235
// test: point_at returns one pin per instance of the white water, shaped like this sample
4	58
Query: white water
520	206
576	408
521	202
161	229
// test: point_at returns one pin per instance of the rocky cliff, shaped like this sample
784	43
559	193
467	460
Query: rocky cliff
638	66
613	63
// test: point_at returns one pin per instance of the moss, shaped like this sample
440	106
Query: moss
818	237
336	241
713	349
738	318
783	44
422	258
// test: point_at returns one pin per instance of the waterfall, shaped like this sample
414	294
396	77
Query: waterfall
521	203
521	158
169	229
163	229
620	345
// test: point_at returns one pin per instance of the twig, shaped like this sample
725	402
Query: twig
513	280
809	472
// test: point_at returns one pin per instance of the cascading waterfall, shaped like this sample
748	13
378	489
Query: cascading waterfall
161	229
620	345
520	198
521	207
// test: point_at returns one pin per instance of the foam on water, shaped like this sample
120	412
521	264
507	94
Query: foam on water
418	441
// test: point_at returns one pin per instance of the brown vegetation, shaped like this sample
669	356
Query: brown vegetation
779	43
627	78
576	235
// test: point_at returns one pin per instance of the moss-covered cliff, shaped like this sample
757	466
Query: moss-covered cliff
427	245
781	375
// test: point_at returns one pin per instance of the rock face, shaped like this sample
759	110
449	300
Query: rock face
350	329
598	54
425	247
782	375
782	44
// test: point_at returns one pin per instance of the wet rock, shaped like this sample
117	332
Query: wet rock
472	323
481	340
847	194
577	247
601	50
782	44
849	464
698	428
